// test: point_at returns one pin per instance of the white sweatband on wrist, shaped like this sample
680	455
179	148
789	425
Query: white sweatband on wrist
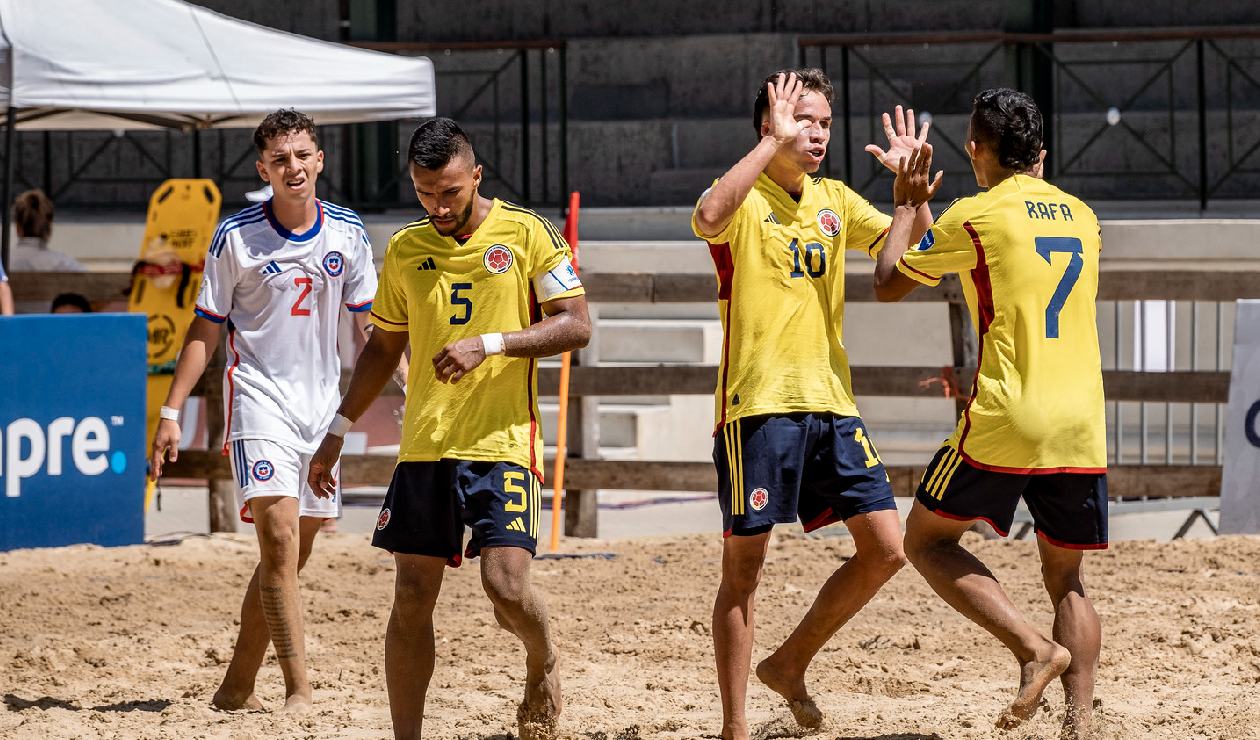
339	426
493	343
166	412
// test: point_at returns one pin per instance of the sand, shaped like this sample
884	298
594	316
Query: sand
131	642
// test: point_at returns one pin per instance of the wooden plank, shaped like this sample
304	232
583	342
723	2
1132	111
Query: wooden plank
1128	481
1163	481
1177	285
97	287
645	287
1182	386
1114	285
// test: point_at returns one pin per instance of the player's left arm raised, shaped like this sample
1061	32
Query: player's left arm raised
567	326
912	189
902	142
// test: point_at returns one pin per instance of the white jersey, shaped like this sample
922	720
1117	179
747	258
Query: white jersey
281	294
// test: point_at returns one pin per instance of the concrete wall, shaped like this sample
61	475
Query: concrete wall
511	19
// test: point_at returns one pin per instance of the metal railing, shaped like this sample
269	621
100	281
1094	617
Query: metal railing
1153	114
511	96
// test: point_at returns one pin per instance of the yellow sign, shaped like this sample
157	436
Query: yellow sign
183	216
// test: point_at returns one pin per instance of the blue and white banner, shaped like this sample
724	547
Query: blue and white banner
72	414
1240	482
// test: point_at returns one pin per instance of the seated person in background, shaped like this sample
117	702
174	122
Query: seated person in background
70	303
6	295
32	217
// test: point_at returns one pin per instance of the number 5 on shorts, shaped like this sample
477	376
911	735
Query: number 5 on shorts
512	487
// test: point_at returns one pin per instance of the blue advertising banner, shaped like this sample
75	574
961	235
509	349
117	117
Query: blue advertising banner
72	445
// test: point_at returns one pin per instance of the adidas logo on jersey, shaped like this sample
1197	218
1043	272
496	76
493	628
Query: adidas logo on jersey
271	268
517	525
428	264
772	219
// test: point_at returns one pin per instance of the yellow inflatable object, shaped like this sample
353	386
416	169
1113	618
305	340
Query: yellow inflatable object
183	215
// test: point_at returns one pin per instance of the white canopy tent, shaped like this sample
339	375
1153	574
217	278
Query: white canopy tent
123	64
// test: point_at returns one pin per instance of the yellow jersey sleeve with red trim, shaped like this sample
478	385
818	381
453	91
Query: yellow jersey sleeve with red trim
1030	279
865	225
944	249
741	223
551	263
389	307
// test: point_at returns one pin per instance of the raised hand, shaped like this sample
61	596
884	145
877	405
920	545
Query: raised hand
899	128
783	97
914	185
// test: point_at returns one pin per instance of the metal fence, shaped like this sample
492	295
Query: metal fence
512	97
1166	336
1151	115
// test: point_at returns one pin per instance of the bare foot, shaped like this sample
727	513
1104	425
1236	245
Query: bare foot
297	704
791	686
1077	724
1034	676
538	717
231	701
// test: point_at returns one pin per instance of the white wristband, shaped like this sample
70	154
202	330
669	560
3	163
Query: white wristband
339	426
493	343
166	412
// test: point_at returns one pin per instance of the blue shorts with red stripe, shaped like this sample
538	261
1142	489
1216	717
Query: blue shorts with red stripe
816	467
1068	509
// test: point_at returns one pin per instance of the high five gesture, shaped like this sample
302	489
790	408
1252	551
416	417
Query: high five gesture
900	130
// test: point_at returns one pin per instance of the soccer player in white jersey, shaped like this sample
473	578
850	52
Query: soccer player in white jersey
278	274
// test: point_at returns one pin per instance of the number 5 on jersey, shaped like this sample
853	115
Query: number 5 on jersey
462	303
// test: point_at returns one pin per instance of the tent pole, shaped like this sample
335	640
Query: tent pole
10	124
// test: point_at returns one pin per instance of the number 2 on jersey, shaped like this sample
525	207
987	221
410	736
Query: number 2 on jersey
298	309
1046	247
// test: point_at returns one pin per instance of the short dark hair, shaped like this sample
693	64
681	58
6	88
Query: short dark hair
283	121
1010	122
814	78
71	299
436	142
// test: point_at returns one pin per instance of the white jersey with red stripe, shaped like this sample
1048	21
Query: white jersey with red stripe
281	294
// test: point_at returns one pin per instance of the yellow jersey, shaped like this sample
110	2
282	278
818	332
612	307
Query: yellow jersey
1027	254
780	283
439	290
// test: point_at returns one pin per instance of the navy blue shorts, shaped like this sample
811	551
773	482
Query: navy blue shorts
428	504
1068	509
816	467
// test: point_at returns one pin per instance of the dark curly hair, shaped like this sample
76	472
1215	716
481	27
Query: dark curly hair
436	142
1010	122
281	122
814	79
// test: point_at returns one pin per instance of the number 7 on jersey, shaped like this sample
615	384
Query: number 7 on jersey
1047	246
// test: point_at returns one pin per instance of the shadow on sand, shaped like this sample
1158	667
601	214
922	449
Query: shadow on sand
15	703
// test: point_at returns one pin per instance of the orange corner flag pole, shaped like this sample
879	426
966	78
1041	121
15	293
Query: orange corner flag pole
562	419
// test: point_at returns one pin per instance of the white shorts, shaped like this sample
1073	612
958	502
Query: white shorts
261	467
